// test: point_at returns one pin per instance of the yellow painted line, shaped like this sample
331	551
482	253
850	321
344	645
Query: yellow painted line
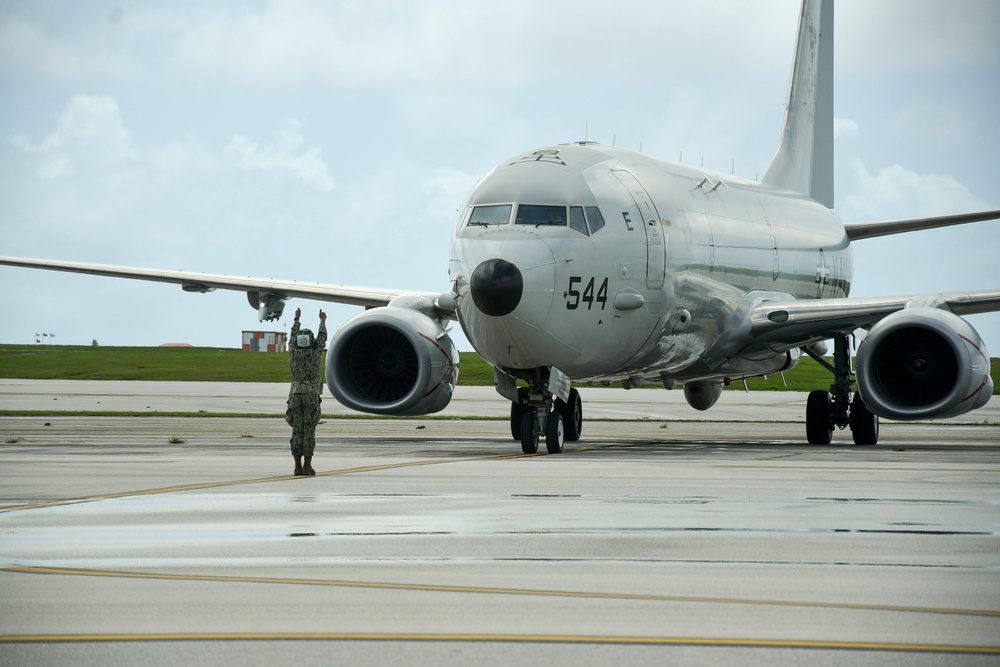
263	480
27	569
976	468
511	638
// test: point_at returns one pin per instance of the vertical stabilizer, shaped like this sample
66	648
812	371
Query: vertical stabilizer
804	161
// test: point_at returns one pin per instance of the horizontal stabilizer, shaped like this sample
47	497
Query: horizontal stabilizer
867	230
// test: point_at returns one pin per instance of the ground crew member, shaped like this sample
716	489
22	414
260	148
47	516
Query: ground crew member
305	394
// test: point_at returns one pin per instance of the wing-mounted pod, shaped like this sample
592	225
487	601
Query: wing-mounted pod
393	360
923	363
269	306
702	395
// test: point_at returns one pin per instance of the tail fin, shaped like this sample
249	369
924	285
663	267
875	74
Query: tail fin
804	161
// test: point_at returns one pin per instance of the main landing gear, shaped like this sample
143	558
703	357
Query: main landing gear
537	412
836	408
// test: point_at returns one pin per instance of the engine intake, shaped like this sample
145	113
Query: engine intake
392	361
923	363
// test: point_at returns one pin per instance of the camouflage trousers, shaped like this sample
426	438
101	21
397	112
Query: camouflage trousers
302	415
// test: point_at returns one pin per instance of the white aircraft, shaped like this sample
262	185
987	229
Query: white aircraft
584	262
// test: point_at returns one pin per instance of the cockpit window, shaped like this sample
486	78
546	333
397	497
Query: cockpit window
498	214
530	214
595	218
577	221
586	220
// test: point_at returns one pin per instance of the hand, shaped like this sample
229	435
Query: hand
298	312
322	316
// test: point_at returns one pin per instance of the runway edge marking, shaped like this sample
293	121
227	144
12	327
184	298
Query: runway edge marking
31	569
513	638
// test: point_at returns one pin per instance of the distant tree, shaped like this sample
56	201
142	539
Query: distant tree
93	343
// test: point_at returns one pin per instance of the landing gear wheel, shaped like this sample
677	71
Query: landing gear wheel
529	439
819	428
554	433
572	415
517	410
864	424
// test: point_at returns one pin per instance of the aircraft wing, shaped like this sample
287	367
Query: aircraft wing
367	297
798	321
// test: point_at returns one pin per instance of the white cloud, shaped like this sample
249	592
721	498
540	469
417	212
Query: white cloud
845	128
440	43
897	192
917	35
124	200
90	134
285	153
32	45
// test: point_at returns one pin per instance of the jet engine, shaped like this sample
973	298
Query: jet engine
392	361
923	363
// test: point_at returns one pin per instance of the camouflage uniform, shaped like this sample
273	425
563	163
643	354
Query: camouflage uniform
304	396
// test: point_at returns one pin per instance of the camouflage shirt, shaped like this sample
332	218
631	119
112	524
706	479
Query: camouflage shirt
304	362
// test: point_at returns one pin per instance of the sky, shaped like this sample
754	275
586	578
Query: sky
334	141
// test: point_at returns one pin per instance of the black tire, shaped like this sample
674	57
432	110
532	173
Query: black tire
572	415
529	441
864	424
516	413
517	410
554	433
819	428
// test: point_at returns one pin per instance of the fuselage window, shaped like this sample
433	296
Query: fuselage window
498	214
530	214
577	221
595	218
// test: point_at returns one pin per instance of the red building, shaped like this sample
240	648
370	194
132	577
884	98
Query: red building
265	341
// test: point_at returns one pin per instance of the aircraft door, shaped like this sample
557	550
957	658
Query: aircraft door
653	228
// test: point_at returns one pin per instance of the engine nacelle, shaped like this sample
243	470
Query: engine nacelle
392	361
923	363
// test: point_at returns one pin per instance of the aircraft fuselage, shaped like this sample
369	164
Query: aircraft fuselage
608	264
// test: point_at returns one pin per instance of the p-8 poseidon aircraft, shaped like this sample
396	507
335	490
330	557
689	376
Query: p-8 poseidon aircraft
590	263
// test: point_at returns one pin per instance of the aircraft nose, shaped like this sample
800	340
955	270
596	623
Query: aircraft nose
496	287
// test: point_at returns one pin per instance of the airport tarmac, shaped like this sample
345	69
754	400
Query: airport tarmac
269	398
161	539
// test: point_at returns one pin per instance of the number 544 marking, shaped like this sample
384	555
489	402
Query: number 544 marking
575	297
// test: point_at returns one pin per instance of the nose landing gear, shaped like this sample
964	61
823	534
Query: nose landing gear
534	423
538	412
